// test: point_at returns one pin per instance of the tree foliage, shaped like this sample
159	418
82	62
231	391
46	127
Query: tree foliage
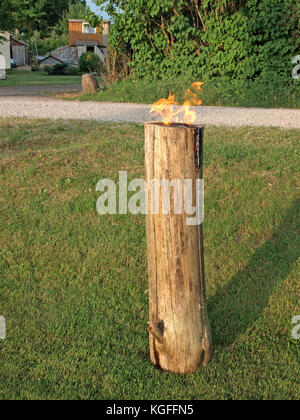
48	38
5	15
28	16
231	39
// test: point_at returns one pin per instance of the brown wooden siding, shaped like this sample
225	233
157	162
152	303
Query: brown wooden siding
75	34
16	43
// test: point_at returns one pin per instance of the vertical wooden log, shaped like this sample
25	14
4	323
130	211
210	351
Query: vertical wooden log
179	331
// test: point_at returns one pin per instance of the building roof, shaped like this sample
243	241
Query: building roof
84	21
43	58
77	20
20	42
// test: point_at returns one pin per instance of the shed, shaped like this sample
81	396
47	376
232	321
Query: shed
49	60
19	51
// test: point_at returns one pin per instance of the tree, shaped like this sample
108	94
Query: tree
55	9
28	16
58	35
5	15
229	39
5	18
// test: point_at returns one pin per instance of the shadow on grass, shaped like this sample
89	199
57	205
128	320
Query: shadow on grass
239	305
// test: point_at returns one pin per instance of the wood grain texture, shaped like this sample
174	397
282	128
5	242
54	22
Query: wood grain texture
75	34
179	331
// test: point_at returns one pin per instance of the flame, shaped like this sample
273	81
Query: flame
197	86
166	107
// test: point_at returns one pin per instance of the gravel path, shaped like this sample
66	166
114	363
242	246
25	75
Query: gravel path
37	107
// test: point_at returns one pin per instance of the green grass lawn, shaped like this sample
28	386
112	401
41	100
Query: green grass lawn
73	285
32	78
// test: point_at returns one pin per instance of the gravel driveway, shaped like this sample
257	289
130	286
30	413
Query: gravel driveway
37	107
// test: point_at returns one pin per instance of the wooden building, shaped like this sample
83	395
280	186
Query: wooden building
86	38
19	51
49	60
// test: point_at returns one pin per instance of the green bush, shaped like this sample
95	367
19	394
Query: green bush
56	70
60	69
49	70
208	40
73	71
90	63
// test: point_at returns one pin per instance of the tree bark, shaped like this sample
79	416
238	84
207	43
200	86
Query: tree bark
179	331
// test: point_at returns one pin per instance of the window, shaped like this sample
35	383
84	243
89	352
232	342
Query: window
87	29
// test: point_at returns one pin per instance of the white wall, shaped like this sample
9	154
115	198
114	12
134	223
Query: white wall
5	49
81	50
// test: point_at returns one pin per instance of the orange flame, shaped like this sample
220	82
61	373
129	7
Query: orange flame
165	107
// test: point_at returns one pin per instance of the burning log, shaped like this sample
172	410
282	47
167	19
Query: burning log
180	338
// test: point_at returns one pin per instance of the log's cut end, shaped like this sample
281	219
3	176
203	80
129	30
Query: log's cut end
179	330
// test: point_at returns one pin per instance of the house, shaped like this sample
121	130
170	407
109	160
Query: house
82	38
13	48
5	52
85	38
49	60
19	51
